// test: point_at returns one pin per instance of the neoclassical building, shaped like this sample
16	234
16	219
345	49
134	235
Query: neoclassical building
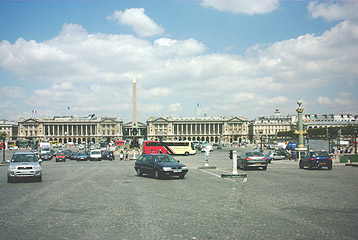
71	129
208	129
267	127
9	128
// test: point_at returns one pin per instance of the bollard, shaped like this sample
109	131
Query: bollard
234	162
207	153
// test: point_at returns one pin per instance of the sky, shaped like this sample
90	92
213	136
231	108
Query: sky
190	58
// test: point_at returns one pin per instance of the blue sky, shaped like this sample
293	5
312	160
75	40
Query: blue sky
234	58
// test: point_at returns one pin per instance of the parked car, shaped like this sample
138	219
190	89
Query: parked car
46	157
277	156
83	156
73	156
68	153
249	159
107	155
53	153
316	159
159	166
81	147
24	165
95	155
60	157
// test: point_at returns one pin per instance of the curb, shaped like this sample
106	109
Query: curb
351	164
238	175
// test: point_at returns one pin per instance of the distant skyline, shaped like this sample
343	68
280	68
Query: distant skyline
190	58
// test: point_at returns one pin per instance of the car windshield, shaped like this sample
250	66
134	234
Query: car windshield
96	152
24	158
164	158
252	154
60	154
319	154
82	153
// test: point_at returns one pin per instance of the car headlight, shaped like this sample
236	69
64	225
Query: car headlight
12	167
166	169
36	167
184	168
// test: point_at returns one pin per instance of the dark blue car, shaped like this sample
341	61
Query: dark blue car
159	166
316	159
83	156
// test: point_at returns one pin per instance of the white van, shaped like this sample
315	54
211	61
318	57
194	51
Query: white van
96	155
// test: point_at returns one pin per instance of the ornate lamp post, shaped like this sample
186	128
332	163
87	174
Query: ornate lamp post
300	147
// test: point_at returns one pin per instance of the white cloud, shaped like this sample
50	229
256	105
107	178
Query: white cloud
333	11
249	7
175	107
157	92
13	92
92	73
141	24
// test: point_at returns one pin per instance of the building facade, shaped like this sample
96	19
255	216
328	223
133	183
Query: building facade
71	129
266	128
9	128
205	129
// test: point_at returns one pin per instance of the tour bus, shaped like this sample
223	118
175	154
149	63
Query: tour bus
120	142
169	147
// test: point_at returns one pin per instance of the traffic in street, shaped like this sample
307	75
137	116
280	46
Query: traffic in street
108	200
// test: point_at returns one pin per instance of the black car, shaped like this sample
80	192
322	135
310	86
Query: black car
68	154
107	155
46	156
74	156
159	166
316	159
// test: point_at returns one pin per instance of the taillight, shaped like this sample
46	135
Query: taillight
313	159
329	158
248	158
265	158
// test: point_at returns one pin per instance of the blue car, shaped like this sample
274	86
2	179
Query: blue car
83	156
316	159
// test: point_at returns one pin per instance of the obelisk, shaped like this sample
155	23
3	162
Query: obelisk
134	108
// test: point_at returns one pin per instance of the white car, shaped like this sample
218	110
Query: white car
24	165
276	156
96	155
81	147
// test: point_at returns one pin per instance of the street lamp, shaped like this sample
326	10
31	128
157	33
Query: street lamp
261	135
355	141
3	147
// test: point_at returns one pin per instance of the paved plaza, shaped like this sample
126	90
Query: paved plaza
106	200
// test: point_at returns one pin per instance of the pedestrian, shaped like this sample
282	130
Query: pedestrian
159	151
151	151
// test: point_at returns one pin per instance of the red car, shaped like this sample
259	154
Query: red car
61	157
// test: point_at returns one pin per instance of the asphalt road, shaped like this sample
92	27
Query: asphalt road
106	200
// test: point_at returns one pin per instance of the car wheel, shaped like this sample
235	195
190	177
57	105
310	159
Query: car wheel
300	164
139	172
264	168
157	174
181	176
10	179
39	179
186	154
329	167
309	166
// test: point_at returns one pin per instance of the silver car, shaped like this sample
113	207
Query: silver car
252	159
24	165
